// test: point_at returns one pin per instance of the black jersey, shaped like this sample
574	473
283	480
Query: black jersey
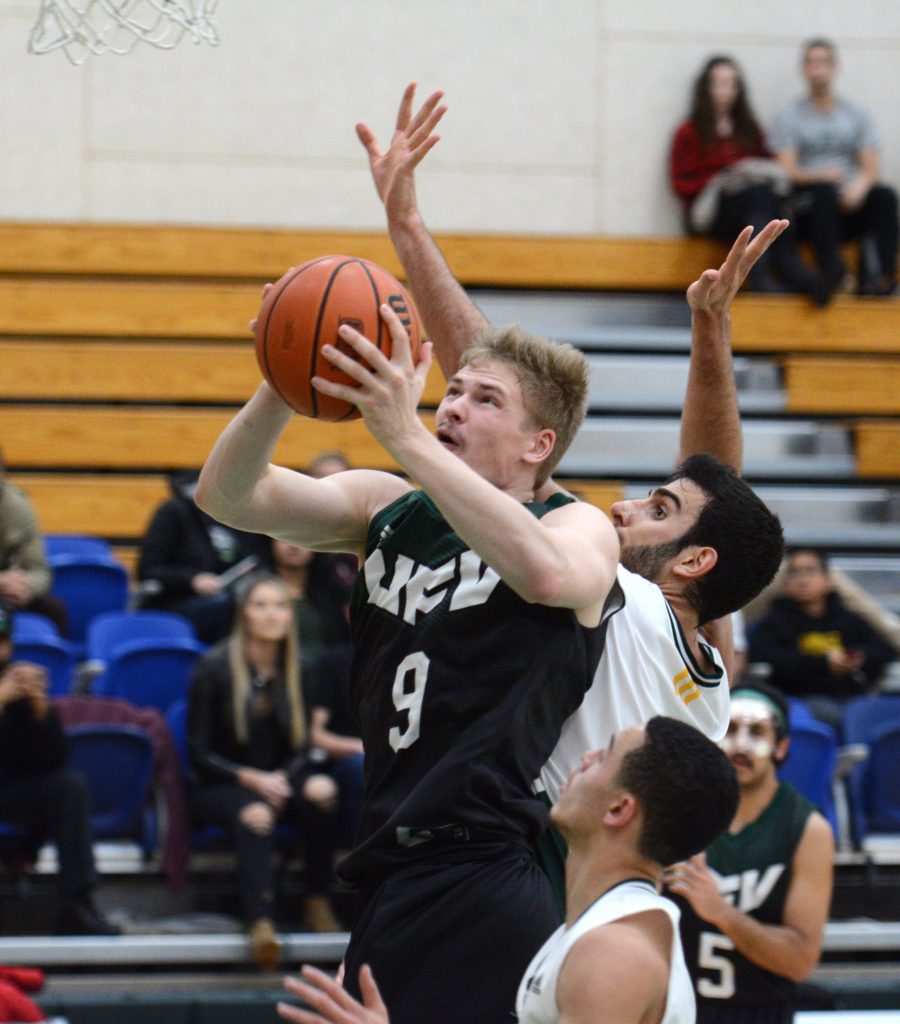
460	688
754	873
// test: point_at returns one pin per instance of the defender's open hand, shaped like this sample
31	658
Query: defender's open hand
714	290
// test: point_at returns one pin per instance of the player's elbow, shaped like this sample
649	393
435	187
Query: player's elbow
209	499
542	585
800	966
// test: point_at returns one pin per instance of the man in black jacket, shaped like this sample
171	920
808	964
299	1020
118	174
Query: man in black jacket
38	792
817	648
185	553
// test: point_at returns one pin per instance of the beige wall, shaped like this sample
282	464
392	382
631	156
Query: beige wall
560	110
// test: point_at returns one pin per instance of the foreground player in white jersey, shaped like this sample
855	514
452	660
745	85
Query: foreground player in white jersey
625	814
695	549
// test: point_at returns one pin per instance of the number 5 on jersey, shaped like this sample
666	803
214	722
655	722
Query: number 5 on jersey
413	669
710	958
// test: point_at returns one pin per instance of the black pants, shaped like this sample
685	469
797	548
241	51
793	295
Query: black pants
449	937
55	807
53	608
757	205
825	226
222	805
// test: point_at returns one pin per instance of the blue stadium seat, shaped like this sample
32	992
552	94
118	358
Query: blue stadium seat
107	631
56	544
810	765
799	712
863	718
31	626
88	586
54	655
150	672
116	761
884	778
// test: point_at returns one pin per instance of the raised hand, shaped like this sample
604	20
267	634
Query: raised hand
693	880
714	290
393	170
331	1003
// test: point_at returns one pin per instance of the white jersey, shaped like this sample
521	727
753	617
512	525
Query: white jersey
536	999
646	669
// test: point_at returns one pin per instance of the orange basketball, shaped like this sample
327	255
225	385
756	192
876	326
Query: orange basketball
304	310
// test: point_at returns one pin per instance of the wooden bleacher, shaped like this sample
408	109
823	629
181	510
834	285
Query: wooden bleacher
127	350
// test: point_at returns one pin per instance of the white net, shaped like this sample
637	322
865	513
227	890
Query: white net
84	27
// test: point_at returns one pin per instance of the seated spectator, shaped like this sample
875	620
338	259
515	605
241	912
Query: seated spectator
720	167
185	553
333	730
829	147
755	904
249	753
816	648
319	589
24	574
38	792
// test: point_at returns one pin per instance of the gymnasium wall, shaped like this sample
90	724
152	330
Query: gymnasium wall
560	110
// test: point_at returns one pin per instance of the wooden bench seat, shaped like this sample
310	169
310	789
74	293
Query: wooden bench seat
102	370
523	261
775	323
136	437
114	505
842	385
179	310
878	449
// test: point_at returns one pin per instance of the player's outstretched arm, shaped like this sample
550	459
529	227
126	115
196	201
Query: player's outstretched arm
711	421
452	321
241	487
329	1002
567	559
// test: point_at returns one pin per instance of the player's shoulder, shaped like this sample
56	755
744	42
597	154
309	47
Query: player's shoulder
374	487
635	946
817	836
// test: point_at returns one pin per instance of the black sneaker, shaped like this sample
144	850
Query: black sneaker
83	919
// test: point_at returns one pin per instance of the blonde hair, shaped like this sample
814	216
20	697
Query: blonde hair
554	378
289	668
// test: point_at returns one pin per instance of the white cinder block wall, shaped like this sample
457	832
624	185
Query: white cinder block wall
560	115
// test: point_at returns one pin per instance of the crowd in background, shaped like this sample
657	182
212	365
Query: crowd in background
818	164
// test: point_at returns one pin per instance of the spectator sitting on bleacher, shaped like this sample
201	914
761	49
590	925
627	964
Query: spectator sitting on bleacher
249	755
814	646
319	589
40	794
720	167
185	553
829	147
754	906
24	574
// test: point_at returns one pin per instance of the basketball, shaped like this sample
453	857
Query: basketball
304	310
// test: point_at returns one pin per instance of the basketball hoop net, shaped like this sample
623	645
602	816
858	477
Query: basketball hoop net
85	27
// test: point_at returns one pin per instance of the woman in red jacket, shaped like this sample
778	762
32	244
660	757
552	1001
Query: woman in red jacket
720	167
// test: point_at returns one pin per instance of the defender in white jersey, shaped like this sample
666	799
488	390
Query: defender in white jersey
705	541
655	793
645	645
537	999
